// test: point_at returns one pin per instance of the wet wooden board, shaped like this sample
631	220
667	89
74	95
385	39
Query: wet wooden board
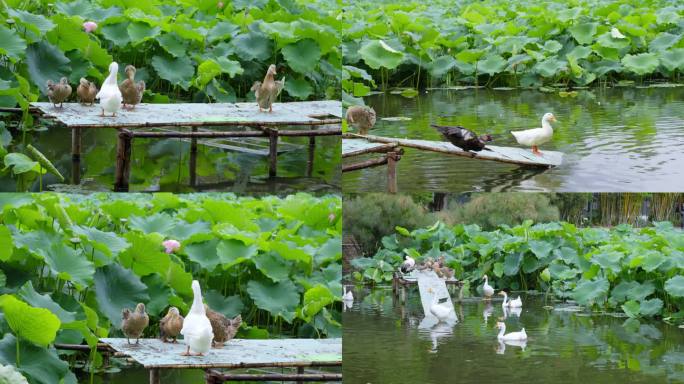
75	115
512	155
237	353
429	279
352	147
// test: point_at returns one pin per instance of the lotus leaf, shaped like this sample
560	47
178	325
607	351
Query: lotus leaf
279	299
377	54
589	291
38	364
117	288
675	286
36	325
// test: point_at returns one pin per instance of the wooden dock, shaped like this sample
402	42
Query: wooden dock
298	354
390	155
512	155
193	121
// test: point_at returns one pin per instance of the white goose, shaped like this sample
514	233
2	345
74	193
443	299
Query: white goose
536	136
509	336
110	95
487	289
515	303
441	311
348	296
196	331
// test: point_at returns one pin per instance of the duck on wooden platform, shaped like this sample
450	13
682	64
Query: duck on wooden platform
536	136
463	138
197	332
171	325
267	91
86	91
110	94
408	265
134	323
224	328
361	118
58	92
131	91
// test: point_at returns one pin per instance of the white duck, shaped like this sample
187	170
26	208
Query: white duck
515	303
196	331
348	296
110	94
441	311
509	336
536	136
487	289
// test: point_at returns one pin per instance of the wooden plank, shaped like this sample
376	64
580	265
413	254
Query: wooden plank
354	147
427	280
511	155
237	353
197	114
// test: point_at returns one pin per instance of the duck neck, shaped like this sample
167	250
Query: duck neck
111	79
197	305
546	125
269	77
502	330
505	301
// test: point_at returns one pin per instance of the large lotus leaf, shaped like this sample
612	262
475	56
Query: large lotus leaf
117	33
675	286
35	299
470	56
117	288
550	67
179	279
159	294
145	255
291	251
609	260
299	88
20	163
231	67
600	68
641	64
584	32
230	306
279	299
651	307
608	41
122	209
329	252
512	263
272	266
588	291
315	299
69	264
158	222
69	34
39	364
652	260
108	243
377	54
140	32
232	252
491	64
302	56
540	248
39	24
562	272
253	46
222	30
177	70
673	59
441	65
552	46
231	212
46	62
631	308
203	253
6	243
580	52
632	290
663	41
12	45
36	325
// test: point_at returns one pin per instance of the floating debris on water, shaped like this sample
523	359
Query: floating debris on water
396	118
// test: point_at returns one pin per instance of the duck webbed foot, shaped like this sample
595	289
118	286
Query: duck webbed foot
535	150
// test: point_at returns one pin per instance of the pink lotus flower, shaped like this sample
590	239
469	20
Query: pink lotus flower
331	217
89	26
171	246
220	5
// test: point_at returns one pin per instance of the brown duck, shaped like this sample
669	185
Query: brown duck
267	91
171	325
86	91
131	92
361	118
58	92
134	323
224	328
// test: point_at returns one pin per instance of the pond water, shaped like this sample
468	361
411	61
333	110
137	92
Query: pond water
384	342
162	165
618	139
129	375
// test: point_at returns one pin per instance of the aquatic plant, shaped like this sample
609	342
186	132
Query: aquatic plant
511	43
634	270
69	264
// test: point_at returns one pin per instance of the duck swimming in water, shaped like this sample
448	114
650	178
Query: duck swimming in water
463	138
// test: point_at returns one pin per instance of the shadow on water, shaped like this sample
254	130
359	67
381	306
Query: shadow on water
385	342
622	139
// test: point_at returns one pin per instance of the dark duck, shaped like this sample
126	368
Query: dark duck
463	138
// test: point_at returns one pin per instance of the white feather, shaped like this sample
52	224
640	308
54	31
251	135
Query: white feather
110	95
196	331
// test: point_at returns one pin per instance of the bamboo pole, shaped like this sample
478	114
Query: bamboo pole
193	159
76	155
272	152
312	154
123	161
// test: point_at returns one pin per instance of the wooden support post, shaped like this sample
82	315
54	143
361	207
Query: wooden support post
123	161
312	152
403	294
300	371
154	376
272	151
394	283
392	158
193	159
76	155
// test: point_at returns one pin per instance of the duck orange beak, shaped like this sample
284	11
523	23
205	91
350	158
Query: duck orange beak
553	118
